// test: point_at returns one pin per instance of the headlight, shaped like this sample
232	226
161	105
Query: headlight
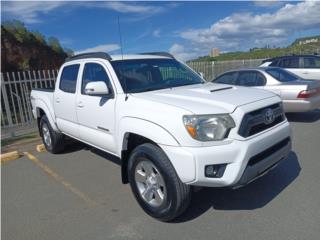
208	127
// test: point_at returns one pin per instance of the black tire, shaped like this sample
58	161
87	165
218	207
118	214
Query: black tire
178	194
57	139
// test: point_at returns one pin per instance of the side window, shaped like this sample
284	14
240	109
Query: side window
227	78
94	72
260	79
291	62
250	79
311	62
68	79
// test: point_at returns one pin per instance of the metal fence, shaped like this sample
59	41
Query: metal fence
213	69
16	114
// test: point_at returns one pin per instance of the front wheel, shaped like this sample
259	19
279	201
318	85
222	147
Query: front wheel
155	184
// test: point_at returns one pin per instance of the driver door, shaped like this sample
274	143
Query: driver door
96	114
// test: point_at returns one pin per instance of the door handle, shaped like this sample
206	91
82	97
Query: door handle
57	100
80	105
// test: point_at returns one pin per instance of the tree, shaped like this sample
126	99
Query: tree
55	44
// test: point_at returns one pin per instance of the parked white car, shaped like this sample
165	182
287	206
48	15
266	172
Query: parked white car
298	95
170	129
304	66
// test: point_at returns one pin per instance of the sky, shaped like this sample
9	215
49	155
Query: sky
185	29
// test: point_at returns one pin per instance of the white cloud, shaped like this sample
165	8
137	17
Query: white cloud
100	48
126	7
246	30
179	52
29	12
156	33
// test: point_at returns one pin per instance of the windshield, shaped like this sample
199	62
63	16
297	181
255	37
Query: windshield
141	75
281	75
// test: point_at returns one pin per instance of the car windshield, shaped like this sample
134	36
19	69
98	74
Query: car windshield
142	75
282	75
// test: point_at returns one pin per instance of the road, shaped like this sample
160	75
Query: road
79	195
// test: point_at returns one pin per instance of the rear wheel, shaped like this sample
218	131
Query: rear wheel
53	141
155	184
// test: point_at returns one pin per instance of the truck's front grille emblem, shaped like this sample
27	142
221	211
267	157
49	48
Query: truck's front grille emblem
261	119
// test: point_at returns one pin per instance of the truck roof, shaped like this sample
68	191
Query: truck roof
135	56
106	56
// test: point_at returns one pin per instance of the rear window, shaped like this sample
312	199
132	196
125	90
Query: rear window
282	75
68	79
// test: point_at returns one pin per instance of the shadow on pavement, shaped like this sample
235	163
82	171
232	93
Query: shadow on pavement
307	117
255	195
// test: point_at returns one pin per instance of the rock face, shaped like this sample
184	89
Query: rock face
25	50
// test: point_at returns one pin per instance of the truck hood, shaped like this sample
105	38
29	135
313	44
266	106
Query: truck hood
206	98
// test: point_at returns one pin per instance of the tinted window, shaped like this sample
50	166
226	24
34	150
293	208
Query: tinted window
94	72
292	62
282	75
227	78
142	75
250	79
68	79
311	62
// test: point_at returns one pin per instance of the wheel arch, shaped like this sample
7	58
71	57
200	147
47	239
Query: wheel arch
135	132
42	109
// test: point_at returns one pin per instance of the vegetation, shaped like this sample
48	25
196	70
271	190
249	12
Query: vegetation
22	49
299	46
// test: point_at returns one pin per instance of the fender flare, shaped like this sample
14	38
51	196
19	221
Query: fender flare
40	104
145	128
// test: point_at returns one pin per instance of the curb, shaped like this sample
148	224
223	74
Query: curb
41	148
5	157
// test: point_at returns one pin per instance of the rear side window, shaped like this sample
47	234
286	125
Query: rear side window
227	78
251	79
68	79
292	62
94	72
311	62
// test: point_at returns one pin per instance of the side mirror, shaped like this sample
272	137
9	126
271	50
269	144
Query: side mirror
96	88
201	74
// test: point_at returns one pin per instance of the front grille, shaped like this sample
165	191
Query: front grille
266	153
255	122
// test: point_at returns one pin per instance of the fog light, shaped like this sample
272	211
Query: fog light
214	171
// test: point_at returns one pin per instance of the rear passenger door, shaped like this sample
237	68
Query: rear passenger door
227	78
311	67
65	99
292	64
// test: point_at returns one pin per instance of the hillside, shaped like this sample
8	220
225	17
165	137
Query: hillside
307	45
22	49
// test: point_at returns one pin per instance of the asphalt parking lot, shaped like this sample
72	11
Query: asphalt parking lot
79	195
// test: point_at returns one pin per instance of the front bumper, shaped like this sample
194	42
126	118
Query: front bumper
190	162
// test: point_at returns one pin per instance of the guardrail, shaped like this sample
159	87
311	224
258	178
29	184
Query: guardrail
215	68
16	114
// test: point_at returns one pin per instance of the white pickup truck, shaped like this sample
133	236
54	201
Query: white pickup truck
170	129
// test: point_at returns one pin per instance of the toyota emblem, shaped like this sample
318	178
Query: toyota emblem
268	116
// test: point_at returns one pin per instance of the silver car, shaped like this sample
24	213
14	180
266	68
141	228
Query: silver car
298	94
304	66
